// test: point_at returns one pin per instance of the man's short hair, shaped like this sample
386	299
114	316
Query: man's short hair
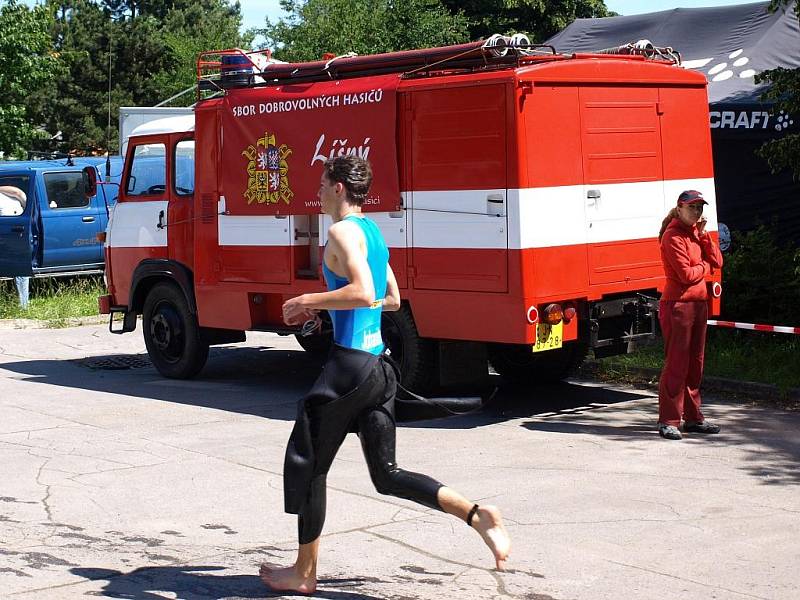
354	173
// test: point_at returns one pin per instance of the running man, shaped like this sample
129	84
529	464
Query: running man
355	391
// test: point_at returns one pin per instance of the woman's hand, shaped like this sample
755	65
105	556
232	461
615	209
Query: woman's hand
701	226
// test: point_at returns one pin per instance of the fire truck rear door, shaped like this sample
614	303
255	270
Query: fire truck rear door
623	181
458	193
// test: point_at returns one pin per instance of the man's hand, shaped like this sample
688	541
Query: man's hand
295	311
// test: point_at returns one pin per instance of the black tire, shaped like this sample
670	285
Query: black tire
171	333
416	356
519	364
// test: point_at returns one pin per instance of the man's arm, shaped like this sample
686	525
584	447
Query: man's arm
392	300
345	242
13	191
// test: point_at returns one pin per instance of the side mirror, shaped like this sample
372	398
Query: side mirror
89	181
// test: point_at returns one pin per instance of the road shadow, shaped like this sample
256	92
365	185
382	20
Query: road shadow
267	382
513	402
255	380
768	437
195	583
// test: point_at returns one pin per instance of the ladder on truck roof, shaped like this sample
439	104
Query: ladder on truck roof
218	70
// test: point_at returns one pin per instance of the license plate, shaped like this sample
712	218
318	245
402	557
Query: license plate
548	337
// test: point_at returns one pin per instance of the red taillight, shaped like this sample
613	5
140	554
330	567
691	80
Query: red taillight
716	289
532	315
553	314
569	313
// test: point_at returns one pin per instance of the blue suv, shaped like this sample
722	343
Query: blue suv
55	232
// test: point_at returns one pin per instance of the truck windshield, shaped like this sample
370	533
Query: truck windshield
148	175
13	196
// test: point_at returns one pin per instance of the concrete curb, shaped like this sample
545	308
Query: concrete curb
44	324
751	389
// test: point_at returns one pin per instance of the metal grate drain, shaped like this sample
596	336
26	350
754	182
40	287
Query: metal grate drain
116	363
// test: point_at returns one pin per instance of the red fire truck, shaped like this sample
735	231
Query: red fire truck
520	192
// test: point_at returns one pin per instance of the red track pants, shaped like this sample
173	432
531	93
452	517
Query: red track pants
683	325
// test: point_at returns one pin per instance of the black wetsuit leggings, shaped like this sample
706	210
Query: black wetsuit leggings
355	392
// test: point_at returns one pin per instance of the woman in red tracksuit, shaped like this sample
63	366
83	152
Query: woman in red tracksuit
688	254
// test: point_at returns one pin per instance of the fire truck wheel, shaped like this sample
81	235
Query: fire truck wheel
171	333
518	364
415	355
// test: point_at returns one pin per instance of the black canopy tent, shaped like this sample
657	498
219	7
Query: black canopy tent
730	44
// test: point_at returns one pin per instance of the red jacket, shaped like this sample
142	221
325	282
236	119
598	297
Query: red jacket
687	258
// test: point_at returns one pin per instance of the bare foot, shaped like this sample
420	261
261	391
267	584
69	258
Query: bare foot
489	524
283	579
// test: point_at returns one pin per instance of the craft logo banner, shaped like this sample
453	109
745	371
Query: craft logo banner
275	141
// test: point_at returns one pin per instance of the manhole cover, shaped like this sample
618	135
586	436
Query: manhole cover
116	363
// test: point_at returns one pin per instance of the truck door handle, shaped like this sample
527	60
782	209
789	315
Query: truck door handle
87	219
495	205
160	224
18	229
593	196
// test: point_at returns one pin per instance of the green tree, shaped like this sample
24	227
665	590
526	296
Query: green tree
150	47
26	52
540	19
81	33
314	27
200	26
783	153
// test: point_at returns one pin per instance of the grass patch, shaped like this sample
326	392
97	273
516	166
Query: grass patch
741	355
52	299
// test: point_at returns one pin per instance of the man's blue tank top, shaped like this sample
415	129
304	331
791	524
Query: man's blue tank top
360	328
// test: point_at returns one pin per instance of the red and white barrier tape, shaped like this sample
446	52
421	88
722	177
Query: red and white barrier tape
755	327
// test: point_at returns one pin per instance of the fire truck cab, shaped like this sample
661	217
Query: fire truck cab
520	193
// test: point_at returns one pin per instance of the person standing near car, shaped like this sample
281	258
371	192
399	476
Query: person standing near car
12	204
688	254
356	389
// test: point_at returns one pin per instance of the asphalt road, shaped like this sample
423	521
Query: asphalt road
118	483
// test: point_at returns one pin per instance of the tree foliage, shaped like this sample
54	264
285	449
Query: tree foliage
28	64
762	278
59	54
783	153
315	27
540	19
153	46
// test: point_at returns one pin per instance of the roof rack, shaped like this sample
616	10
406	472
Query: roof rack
644	48
237	68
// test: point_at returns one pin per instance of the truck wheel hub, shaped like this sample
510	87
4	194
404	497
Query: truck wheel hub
165	331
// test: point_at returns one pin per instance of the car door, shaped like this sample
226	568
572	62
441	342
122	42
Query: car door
70	222
16	233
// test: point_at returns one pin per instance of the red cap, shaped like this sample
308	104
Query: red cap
691	197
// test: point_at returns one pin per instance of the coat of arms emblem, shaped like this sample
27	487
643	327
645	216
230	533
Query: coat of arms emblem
267	171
